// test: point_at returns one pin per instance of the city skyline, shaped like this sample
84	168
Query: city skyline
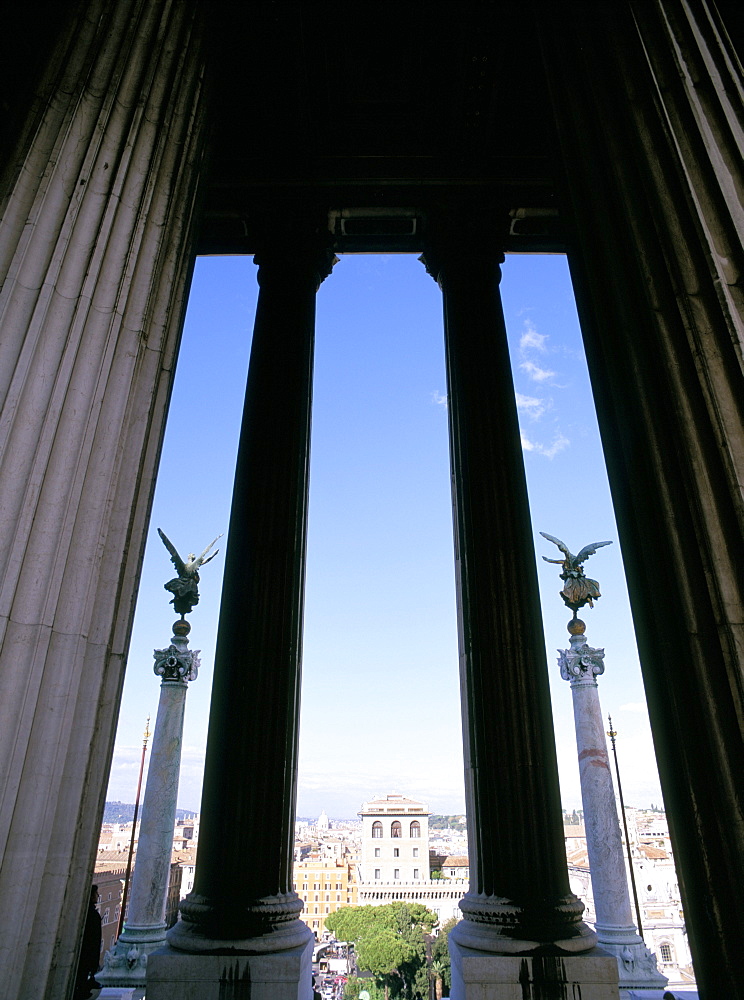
380	688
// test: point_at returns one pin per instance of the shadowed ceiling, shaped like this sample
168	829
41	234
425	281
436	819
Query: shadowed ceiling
395	108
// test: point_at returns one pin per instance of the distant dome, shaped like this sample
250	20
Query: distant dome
323	823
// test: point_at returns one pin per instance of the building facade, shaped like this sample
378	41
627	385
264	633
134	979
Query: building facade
395	840
324	885
109	877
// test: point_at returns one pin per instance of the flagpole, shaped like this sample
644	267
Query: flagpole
145	738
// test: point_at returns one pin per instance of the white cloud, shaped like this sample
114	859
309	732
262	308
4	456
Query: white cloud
530	405
634	706
535	372
560	442
438	398
531	339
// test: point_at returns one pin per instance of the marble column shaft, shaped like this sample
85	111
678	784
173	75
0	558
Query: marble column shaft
144	930
149	890
616	931
94	264
519	895
603	840
651	133
248	803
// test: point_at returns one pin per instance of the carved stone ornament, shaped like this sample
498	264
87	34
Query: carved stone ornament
185	587
174	664
581	663
123	965
578	589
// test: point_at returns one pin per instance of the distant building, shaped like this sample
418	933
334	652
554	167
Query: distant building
456	866
116	837
395	858
186	833
109	877
186	860
324	885
441	896
395	840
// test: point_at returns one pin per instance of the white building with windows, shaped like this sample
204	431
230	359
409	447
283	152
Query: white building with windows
395	840
395	858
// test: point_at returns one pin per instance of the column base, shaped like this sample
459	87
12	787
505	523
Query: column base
478	975
636	964
278	975
494	924
126	963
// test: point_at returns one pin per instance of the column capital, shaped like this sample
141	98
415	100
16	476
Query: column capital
581	664
296	250
442	257
464	240
177	663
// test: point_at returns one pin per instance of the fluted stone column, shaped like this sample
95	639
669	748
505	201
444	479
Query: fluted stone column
650	132
144	931
241	923
616	932
519	901
97	204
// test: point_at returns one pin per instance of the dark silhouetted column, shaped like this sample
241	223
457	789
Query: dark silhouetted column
649	131
519	900
243	902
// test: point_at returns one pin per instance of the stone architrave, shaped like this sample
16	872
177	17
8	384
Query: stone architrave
144	930
616	932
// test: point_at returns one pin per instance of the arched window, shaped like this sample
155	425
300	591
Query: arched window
395	829
377	829
666	953
415	828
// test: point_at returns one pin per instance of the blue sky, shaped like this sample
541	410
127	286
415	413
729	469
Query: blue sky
380	704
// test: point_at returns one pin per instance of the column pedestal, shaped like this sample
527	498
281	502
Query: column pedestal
283	975
481	976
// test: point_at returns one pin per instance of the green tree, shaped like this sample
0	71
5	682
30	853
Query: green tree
440	958
390	943
355	986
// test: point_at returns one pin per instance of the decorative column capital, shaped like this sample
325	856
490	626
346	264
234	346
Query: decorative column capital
300	251
442	257
463	242
177	662
581	664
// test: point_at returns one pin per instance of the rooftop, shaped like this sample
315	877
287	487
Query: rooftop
393	804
